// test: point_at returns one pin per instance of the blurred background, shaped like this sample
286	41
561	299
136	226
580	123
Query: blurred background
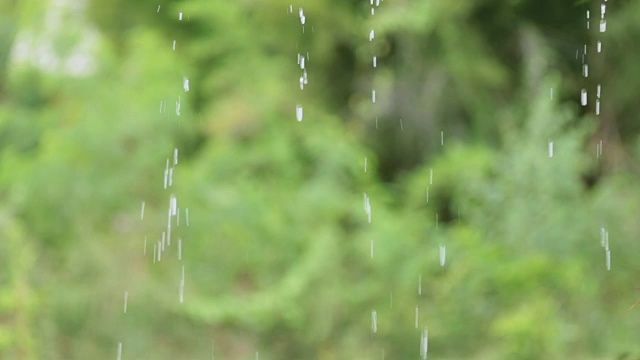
497	179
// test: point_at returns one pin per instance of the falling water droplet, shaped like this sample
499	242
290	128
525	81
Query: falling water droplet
174	45
585	70
185	83
303	18
598	91
417	316
550	148
182	286
372	35
599	46
374	321
603	25
126	298
597	106
299	113
142	212
424	343
180	16
179	249
375	61
443	255
119	351
373	96
583	97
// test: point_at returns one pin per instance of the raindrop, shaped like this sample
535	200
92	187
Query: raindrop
302	17
373	96
175	156
375	61
550	148
443	255
431	176
419	284
583	97
367	207
126	297
173	205
182	286
301	61
417	316
599	46
374	322
372	35
178	105
598	107
424	343
142	212
179	249
119	351
441	138
174	45
158	9
551	93
299	113
187	216
585	70
600	153
180	16
185	83
603	25
598	91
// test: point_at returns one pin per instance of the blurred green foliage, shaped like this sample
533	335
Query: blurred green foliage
278	255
